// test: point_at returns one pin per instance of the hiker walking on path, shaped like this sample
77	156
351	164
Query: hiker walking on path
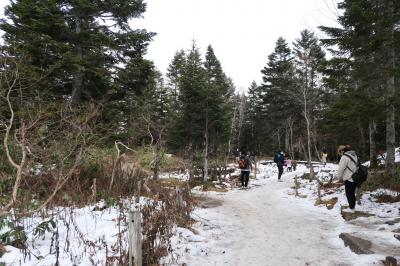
289	165
348	166
279	159
245	168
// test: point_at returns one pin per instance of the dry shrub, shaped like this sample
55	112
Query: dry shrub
79	188
379	178
2	250
173	164
159	217
385	198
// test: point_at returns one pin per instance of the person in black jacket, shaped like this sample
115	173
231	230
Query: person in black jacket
279	159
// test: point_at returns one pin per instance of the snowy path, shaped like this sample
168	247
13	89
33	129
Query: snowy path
265	226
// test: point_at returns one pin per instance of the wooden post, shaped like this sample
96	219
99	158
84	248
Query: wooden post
179	197
135	238
319	190
94	190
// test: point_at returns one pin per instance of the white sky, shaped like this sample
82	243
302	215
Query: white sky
242	32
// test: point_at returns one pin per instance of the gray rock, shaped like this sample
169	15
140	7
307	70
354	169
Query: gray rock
356	244
397	237
347	216
396	231
390	261
393	222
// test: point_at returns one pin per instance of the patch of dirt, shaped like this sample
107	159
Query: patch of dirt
356	244
209	202
393	222
347	216
390	261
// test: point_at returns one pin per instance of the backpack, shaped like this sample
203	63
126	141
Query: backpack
242	163
279	158
361	174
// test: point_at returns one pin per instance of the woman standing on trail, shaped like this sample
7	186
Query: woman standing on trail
324	156
347	167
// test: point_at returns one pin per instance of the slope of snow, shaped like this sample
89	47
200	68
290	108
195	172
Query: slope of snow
267	225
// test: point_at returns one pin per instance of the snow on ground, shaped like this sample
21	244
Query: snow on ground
85	236
381	158
263	225
267	225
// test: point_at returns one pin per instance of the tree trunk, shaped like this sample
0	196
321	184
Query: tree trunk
205	177
287	146
362	136
390	108
278	134
390	138
309	147
291	139
78	76
229	140
372	144
158	157
191	161
315	146
241	115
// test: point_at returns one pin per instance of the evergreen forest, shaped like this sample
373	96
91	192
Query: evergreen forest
79	98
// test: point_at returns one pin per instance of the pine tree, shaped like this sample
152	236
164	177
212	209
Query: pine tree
368	34
218	95
75	44
253	138
187	130
278	86
174	72
217	106
309	58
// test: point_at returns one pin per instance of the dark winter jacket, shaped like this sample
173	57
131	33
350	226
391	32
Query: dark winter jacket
279	158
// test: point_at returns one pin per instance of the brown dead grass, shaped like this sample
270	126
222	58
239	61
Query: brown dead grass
2	250
216	189
384	198
329	203
172	182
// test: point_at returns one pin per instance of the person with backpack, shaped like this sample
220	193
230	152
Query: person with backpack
279	159
245	168
348	165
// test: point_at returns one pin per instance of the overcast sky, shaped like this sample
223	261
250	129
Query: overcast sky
242	32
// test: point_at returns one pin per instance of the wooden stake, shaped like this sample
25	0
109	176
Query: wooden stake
135	238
